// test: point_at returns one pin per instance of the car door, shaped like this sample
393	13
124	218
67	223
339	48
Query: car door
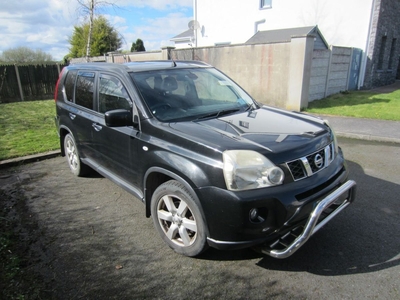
116	146
81	114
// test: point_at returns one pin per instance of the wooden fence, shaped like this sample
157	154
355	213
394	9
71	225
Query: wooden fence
28	82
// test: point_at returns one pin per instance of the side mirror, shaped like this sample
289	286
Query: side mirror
118	118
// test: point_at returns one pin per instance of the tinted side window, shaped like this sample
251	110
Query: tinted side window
112	94
84	89
70	84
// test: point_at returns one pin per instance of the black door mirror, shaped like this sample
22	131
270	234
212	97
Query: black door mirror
118	118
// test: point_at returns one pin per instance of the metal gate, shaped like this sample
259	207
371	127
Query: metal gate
354	72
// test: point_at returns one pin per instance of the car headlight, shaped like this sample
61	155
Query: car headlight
246	169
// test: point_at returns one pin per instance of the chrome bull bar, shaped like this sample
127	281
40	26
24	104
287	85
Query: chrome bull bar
312	225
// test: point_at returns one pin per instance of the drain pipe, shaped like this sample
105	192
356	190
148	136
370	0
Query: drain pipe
365	56
195	20
256	25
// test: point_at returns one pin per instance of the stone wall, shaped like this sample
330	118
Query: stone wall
339	70
275	74
286	75
330	72
262	70
384	47
319	74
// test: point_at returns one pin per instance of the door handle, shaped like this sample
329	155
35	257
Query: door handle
97	127
72	116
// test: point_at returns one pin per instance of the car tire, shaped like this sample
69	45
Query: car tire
178	219
74	162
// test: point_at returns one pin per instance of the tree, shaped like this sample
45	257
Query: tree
25	55
138	46
104	39
88	8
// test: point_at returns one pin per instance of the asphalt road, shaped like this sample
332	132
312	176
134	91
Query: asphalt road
97	244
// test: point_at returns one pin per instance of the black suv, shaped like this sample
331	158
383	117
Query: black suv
212	166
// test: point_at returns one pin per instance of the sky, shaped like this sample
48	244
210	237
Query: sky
48	24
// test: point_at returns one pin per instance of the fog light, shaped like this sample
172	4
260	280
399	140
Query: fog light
276	175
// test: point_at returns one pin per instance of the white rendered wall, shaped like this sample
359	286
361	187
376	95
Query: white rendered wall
341	22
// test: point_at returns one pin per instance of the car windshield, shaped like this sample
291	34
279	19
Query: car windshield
176	95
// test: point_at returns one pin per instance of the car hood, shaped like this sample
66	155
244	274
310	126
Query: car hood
268	129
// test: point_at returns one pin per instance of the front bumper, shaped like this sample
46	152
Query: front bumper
326	209
286	209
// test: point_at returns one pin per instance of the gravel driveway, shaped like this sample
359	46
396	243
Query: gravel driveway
89	239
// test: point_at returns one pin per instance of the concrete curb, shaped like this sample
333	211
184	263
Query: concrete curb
27	159
367	137
364	129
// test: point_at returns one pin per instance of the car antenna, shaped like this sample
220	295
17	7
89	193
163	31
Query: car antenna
173	64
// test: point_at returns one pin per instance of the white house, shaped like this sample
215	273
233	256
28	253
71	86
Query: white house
184	39
342	22
370	25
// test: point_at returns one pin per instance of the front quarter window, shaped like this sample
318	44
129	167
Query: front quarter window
112	94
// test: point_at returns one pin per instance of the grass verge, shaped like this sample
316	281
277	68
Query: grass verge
27	128
359	104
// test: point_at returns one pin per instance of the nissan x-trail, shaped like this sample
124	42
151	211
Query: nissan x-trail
212	166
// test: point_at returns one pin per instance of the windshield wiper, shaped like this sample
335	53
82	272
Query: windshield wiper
218	113
250	107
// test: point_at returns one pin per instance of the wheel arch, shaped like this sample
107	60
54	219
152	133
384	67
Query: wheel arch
63	131
156	176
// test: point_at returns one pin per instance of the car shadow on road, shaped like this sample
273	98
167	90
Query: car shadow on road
361	239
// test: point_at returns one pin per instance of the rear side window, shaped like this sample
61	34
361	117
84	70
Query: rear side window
70	84
84	89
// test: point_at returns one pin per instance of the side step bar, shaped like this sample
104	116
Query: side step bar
321	215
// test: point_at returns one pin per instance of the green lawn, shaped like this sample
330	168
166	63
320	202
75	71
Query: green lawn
27	128
360	104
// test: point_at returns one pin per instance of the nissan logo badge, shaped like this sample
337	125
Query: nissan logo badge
318	161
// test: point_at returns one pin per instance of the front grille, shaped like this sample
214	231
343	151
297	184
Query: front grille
309	165
297	169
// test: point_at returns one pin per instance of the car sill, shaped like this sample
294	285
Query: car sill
120	182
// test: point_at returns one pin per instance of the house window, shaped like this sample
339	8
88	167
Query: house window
265	4
382	53
392	52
